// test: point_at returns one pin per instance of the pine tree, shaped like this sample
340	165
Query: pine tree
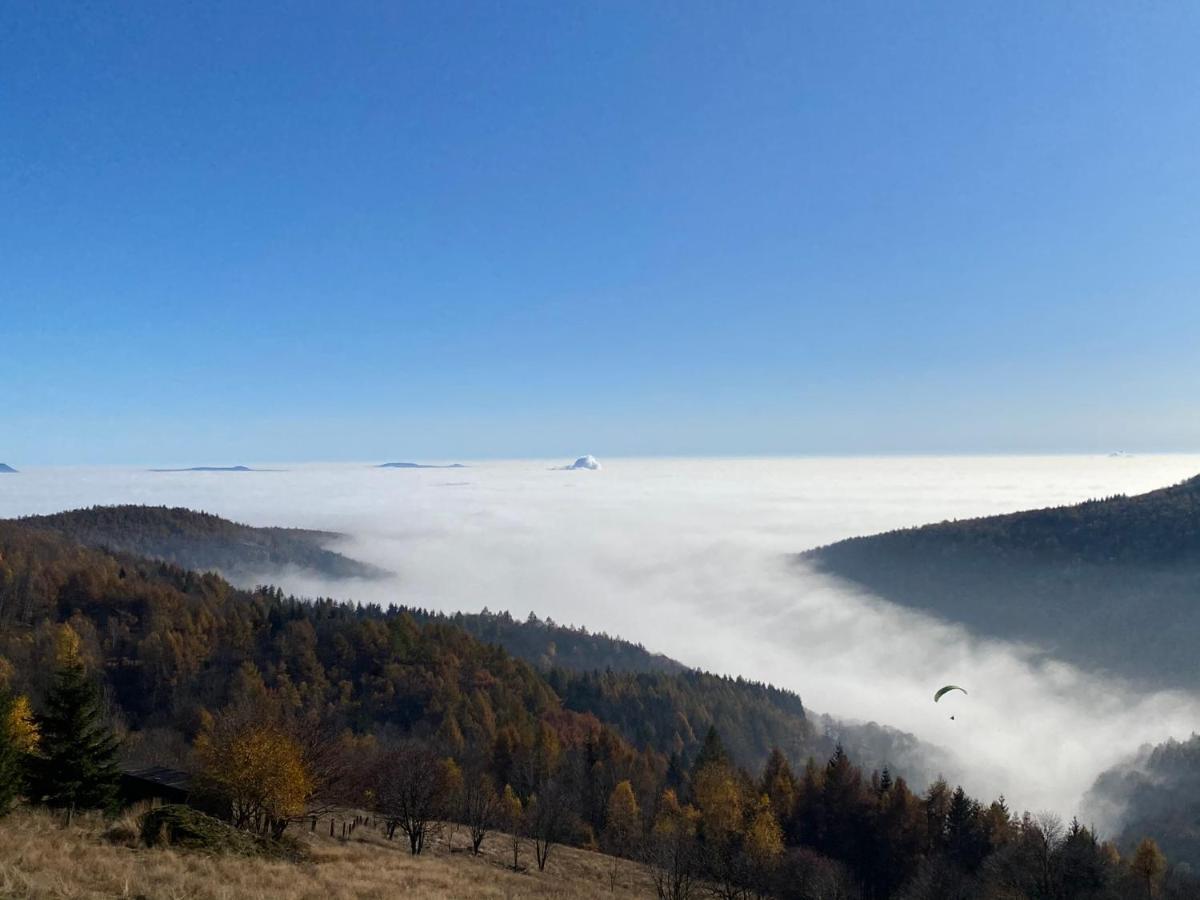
77	764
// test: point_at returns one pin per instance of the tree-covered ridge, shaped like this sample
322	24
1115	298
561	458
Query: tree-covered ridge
204	542
1092	583
1159	528
173	642
635	690
1156	793
549	645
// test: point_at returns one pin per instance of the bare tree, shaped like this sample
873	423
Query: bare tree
480	807
548	819
411	792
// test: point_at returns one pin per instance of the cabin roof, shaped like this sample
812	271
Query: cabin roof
161	775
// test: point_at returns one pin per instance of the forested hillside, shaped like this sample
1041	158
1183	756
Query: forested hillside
204	542
172	642
1157	793
628	686
284	706
1095	583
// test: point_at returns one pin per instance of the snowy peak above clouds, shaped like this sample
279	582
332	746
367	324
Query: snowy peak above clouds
5	468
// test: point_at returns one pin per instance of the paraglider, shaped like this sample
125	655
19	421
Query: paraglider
941	692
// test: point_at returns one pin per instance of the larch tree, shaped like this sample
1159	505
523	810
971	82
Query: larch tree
622	826
1148	864
12	769
623	821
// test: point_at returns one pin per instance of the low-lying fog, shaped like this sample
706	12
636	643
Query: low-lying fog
689	557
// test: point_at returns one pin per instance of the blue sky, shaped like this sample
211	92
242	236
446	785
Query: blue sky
236	232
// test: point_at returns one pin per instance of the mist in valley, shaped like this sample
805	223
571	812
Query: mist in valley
695	558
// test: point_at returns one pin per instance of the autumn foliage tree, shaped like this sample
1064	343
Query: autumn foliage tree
257	768
1148	864
623	821
673	852
12	768
622	826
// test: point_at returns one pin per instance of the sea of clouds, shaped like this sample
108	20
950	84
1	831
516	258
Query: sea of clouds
692	557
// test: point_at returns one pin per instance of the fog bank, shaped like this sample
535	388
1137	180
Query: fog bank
691	558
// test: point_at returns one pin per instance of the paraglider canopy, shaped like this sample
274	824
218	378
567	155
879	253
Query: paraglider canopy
945	690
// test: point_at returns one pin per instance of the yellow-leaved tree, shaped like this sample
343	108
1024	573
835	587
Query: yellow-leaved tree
622	827
674	856
258	769
763	847
1148	864
21	725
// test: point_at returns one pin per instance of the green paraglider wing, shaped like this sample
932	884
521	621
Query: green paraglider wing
947	689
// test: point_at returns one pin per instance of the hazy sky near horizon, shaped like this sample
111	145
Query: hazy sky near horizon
236	232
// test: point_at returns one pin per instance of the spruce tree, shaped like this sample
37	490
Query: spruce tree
712	752
77	765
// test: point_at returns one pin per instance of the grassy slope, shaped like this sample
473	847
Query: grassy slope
93	859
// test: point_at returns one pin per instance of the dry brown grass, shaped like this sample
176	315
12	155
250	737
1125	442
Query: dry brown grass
93	858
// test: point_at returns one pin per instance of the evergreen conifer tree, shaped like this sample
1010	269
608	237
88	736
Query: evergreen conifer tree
76	767
712	752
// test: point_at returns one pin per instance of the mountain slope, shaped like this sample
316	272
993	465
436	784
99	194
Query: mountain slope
204	542
1157	793
6	469
595	673
1095	583
136	609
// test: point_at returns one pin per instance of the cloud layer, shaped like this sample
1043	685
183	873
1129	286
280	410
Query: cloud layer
690	557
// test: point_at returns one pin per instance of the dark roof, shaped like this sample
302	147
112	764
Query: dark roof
172	778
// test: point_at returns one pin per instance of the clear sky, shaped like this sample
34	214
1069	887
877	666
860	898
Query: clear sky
235	232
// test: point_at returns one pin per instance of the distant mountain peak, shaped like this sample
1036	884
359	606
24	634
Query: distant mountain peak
413	465
5	468
212	469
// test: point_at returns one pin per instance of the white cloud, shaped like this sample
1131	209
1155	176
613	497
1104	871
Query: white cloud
583	462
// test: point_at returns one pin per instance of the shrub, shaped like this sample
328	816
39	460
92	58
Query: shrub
182	826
